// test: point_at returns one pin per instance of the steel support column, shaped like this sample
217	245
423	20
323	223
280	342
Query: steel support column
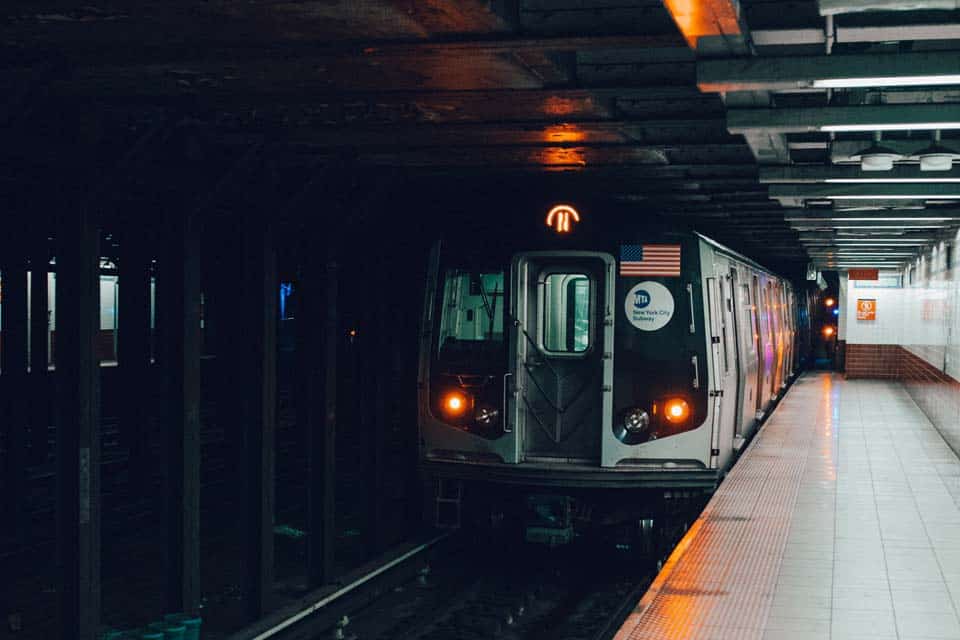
133	346
78	418
39	350
180	289
258	396
317	349
376	354
14	383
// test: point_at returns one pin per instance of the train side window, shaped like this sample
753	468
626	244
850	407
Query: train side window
747	306
566	312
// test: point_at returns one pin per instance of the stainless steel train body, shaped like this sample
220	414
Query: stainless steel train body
572	368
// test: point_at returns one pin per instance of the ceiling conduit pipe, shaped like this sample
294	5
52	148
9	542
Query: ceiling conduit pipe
830	35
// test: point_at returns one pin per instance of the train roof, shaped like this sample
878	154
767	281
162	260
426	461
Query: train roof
738	256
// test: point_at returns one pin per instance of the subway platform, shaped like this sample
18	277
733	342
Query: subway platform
840	521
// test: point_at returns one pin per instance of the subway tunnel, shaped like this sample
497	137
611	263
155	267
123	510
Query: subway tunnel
305	306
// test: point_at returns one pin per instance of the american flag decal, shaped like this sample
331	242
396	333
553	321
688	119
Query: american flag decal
650	260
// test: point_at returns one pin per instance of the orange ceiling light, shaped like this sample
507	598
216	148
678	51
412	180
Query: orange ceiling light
699	18
559	106
561	133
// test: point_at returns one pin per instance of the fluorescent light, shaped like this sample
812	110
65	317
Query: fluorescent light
899	196
890	180
871	219
891	126
886	81
866	242
905	226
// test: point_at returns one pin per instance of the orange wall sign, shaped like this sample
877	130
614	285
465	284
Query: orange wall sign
864	274
866	309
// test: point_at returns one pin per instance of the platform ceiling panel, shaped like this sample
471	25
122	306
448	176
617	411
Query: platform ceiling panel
591	87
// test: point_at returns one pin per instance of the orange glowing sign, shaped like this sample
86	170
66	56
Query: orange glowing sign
866	309
864	274
560	217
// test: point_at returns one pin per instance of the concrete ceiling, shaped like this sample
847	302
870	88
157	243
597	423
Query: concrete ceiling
712	112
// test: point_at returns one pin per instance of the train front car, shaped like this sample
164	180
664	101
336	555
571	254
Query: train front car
580	370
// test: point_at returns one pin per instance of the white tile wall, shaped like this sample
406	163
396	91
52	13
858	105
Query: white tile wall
889	325
923	316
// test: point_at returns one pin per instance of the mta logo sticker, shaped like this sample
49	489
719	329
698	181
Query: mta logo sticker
649	306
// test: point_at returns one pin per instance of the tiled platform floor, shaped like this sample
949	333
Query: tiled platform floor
841	521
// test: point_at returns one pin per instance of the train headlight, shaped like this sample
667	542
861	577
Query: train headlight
454	404
636	421
676	410
486	415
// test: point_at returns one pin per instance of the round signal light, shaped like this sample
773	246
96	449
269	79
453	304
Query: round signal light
676	410
828	332
829	302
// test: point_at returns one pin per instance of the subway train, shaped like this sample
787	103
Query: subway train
645	361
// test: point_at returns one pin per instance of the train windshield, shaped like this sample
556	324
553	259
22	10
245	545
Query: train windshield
472	313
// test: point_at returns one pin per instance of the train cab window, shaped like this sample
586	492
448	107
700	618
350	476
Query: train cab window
566	312
473	310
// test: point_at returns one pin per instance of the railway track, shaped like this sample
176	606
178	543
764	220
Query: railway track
489	589
472	585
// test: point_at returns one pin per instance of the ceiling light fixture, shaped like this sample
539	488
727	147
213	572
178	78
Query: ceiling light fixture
903	196
867	226
891	126
876	157
891	180
886	81
936	157
867	242
868	219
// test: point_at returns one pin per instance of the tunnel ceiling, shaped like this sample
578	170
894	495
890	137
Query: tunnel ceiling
747	120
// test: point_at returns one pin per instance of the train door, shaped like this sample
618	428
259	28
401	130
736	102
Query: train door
746	354
792	324
776	337
787	334
759	332
562	365
723	369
